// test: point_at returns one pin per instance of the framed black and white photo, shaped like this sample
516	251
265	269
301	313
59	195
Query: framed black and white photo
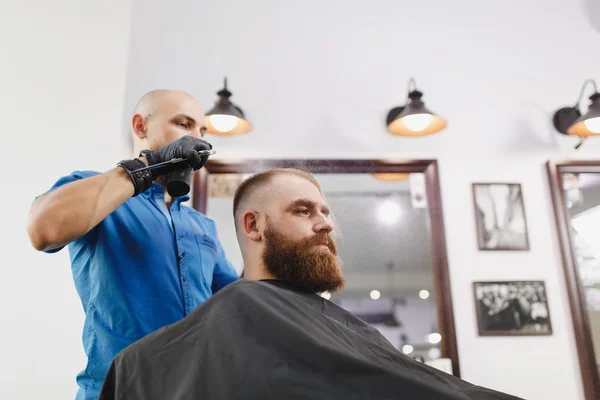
500	216
512	308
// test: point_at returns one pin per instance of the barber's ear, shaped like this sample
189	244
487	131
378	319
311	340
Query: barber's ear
250	225
139	126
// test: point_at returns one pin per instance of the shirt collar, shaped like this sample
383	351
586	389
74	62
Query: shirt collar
149	193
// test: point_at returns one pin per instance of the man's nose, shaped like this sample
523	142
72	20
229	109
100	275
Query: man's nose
324	224
196	133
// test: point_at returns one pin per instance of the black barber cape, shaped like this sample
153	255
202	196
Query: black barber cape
269	340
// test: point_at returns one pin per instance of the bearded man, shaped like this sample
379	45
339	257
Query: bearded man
270	335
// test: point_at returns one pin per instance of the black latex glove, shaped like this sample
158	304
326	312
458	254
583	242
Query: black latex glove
186	147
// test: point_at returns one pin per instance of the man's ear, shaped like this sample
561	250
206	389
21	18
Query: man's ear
250	225
138	125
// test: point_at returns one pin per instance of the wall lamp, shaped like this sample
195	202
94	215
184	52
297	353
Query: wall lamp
391	176
413	119
225	118
569	121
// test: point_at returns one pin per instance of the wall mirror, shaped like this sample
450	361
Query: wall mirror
392	244
575	189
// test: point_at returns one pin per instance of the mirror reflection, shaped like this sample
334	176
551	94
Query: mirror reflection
582	197
383	238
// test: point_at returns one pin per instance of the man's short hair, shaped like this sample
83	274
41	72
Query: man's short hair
248	186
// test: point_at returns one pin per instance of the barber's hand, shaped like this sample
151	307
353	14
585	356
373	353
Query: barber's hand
186	147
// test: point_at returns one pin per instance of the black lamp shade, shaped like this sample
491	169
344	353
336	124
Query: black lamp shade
225	118
414	119
589	123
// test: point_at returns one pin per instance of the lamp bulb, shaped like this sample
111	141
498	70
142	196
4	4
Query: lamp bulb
434	338
223	123
389	212
593	124
417	122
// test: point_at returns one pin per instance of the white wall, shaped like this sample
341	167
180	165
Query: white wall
317	79
62	85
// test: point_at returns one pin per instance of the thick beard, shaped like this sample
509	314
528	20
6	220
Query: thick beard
301	263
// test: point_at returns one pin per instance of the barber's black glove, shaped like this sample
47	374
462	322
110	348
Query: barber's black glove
186	147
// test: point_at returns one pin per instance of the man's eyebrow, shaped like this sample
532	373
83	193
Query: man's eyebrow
190	119
308	204
300	202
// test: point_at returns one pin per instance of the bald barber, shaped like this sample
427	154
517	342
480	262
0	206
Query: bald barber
140	259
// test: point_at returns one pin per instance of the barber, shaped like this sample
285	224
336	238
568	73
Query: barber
140	258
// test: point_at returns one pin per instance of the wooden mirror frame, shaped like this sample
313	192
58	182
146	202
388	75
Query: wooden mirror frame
434	205
581	326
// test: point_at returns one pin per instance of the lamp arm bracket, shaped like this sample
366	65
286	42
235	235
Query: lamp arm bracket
412	85
588	81
581	140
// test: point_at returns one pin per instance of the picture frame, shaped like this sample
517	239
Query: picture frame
512	308
500	217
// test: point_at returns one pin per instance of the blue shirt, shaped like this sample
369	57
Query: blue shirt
144	266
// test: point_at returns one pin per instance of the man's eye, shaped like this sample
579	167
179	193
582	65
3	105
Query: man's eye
302	211
183	124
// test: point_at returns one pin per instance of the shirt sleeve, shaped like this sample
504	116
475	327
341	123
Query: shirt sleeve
72	177
225	272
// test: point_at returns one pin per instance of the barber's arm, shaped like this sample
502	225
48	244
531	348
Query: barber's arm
73	209
76	207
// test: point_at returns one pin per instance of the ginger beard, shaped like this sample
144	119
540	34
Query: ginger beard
302	263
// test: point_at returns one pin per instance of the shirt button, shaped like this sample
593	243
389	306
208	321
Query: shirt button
183	279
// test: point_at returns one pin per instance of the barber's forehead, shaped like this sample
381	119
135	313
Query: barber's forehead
182	103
